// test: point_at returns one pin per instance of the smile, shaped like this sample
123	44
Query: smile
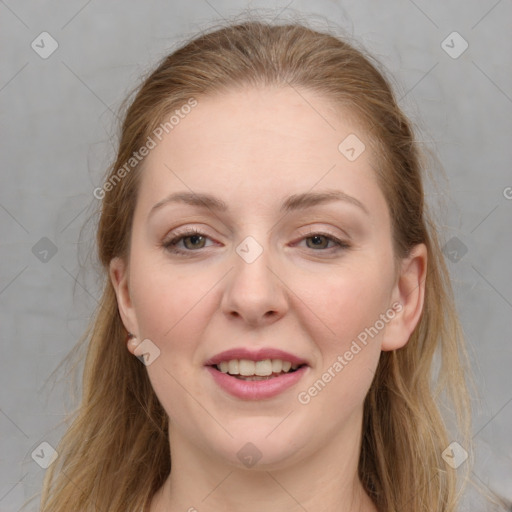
256	370
246	384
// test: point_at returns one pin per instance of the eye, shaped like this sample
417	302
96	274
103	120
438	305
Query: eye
321	240
192	241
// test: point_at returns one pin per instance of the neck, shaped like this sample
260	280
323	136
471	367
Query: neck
322	481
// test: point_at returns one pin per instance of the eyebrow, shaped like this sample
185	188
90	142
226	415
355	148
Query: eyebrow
292	203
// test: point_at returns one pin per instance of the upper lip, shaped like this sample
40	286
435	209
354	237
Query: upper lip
254	355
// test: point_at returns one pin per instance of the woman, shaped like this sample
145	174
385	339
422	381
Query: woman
275	294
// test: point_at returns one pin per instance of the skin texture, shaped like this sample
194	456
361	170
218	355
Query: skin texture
253	148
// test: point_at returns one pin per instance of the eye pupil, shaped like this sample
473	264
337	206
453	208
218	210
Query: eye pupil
195	240
194	237
317	238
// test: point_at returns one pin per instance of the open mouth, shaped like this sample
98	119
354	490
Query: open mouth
259	379
243	369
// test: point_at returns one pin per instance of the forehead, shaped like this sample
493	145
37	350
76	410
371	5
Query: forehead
262	143
263	121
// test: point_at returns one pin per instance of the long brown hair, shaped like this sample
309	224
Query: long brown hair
115	454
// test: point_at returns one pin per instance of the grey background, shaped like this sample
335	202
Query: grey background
58	135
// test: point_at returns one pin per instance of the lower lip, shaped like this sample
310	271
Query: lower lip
256	389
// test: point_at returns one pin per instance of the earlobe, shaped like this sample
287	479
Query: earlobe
118	272
132	343
409	292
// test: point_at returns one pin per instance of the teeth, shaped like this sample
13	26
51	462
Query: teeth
233	367
254	377
286	366
246	367
264	368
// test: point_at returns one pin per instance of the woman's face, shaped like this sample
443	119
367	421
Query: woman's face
279	271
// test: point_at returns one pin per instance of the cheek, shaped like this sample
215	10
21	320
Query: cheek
348	301
350	305
171	310
165	299
348	350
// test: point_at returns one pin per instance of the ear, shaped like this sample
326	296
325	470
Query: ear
408	298
118	271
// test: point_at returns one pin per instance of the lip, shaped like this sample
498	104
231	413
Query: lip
254	355
256	389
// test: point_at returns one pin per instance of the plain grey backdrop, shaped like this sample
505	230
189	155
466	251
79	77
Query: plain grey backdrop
451	62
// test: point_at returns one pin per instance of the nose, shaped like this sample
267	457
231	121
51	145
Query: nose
255	293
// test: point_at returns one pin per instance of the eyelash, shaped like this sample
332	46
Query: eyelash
170	245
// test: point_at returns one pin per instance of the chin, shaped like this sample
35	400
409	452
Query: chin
258	450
